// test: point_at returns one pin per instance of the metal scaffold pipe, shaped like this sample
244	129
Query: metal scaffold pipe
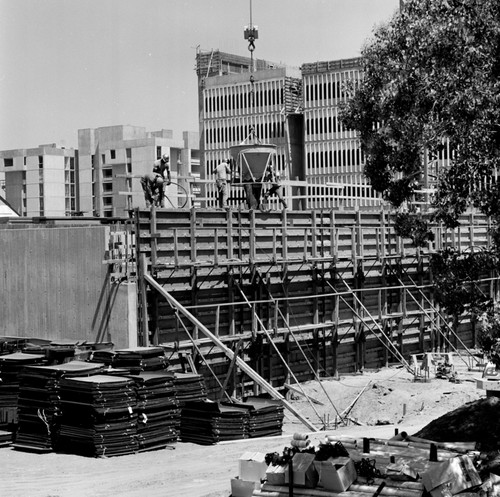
228	352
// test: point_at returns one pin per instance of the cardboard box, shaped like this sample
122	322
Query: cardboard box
336	473
401	471
242	488
304	472
252	466
451	477
275	475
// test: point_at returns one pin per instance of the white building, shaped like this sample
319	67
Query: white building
41	181
113	158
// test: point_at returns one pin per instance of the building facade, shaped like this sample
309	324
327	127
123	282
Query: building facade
296	110
239	104
333	158
41	181
113	159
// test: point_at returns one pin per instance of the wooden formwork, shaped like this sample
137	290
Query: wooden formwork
322	291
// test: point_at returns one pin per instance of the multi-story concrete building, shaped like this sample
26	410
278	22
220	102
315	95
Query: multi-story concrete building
235	99
41	181
298	112
333	157
113	158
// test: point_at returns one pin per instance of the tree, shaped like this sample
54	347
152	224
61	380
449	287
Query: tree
431	75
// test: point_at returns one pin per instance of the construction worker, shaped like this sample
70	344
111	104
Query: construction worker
222	178
275	189
162	166
152	185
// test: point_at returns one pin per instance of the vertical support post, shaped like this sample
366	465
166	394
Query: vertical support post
176	249
400	336
193	269
192	222
383	302
388	333
142	269
421	319
251	237
154	235
194	297
270	360
314	239
274	254
335	346
230	299
284	273
217	321
316	350
284	237
229	238
276	318
305	257
216	247
286	355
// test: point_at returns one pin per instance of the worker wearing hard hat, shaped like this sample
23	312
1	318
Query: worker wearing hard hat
152	185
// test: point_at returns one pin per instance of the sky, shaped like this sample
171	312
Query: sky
67	65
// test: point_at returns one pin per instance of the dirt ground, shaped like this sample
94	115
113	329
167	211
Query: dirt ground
389	399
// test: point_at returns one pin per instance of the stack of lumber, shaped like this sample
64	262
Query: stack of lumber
206	422
98	416
39	404
159	416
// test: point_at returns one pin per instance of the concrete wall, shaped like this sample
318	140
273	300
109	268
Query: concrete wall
54	285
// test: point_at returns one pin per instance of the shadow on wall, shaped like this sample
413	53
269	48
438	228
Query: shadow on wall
104	308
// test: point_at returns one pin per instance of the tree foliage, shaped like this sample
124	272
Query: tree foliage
455	279
414	226
431	74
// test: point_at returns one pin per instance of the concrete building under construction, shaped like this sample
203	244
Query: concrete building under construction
254	299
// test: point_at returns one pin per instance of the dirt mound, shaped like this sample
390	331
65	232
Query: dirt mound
477	421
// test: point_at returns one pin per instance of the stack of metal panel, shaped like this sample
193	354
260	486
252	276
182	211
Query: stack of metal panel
159	416
11	366
189	386
98	416
9	345
102	356
141	359
38	402
134	359
265	417
206	422
5	438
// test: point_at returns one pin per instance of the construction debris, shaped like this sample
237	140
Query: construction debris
403	466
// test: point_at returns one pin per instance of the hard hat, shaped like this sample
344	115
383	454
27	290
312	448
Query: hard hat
159	179
165	157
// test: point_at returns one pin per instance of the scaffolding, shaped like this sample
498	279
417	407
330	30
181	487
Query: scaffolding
298	294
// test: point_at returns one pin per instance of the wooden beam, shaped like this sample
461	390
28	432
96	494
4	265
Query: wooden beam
229	353
230	369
